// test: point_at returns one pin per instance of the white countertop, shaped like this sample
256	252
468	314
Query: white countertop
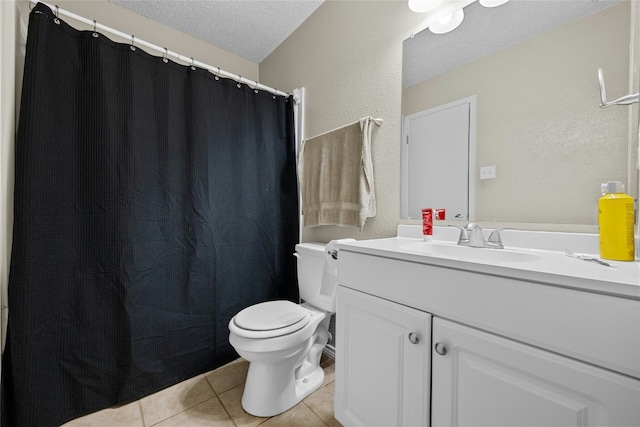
552	266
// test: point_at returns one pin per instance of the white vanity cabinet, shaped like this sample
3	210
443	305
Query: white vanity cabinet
491	350
485	380
384	362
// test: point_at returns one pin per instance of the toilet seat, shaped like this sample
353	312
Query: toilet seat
270	319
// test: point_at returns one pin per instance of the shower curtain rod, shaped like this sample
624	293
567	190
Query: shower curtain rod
165	52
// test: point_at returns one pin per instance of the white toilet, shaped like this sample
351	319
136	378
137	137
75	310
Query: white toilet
283	341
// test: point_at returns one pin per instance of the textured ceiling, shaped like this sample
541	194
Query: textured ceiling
488	30
251	29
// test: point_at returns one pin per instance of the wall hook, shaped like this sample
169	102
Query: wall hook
625	100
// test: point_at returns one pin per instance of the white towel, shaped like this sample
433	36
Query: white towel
336	173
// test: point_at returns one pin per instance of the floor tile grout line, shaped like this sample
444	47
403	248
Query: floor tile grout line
241	407
222	403
207	374
144	424
190	407
209	382
225	408
314	412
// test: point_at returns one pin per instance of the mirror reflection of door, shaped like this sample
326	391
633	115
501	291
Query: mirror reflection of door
439	152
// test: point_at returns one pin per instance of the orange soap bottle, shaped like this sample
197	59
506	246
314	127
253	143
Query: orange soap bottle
615	219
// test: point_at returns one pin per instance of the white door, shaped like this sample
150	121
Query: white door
437	156
382	362
486	380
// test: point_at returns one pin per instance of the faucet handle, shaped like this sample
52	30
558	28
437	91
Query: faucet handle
472	226
464	234
494	240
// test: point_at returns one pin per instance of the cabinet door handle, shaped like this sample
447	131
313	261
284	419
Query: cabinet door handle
414	338
440	349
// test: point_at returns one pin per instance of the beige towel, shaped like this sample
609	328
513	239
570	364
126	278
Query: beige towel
336	175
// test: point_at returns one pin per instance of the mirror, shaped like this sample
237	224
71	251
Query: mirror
538	124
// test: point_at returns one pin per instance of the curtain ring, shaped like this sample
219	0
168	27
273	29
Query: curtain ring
164	56
217	75
255	89
95	33
193	62
239	85
133	47
57	19
275	93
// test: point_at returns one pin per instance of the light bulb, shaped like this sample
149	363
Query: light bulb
445	19
423	5
447	23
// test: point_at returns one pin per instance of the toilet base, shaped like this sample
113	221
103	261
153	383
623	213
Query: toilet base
280	392
272	388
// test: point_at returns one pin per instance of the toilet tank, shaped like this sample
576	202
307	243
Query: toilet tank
317	279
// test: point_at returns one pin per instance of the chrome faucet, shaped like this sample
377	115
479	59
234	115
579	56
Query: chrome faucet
471	235
494	241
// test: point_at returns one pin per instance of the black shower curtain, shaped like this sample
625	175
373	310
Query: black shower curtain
152	203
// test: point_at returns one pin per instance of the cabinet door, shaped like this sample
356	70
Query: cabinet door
486	380
382	362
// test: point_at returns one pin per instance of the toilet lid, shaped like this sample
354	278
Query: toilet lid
270	315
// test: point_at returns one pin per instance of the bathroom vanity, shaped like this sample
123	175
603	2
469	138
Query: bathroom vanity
438	334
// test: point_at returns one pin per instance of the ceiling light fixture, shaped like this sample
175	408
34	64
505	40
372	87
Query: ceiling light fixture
447	23
423	5
492	3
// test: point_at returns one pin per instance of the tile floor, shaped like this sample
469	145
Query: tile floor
213	399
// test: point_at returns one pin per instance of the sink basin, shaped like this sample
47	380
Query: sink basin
470	254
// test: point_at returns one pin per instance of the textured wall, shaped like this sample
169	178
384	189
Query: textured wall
539	120
348	56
